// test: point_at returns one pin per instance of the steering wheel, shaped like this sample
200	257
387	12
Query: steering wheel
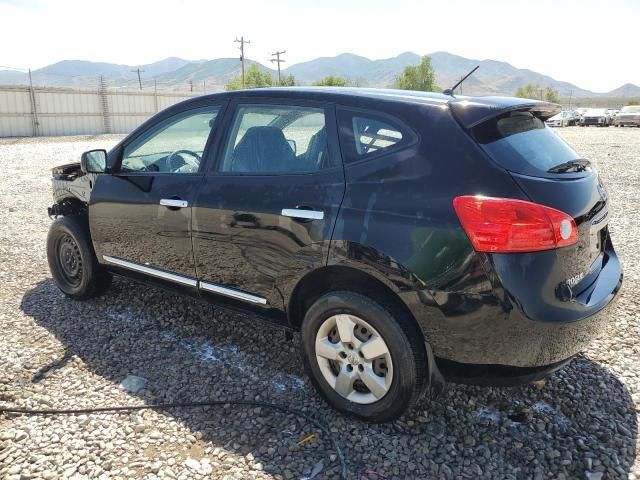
193	159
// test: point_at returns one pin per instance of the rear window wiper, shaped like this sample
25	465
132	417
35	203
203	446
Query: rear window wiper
579	165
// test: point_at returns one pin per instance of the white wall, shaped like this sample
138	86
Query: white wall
62	111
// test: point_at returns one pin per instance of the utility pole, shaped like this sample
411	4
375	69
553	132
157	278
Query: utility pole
242	41
155	93
278	60
139	78
34	110
191	85
570	95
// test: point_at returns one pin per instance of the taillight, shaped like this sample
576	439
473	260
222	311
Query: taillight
503	225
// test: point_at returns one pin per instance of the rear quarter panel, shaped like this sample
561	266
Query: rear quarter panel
397	222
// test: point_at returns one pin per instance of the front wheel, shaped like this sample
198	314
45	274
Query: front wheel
72	260
363	359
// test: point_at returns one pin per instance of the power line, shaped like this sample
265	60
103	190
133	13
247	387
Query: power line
242	41
17	69
139	78
278	60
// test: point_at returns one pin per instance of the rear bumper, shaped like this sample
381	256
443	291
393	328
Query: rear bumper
518	327
512	340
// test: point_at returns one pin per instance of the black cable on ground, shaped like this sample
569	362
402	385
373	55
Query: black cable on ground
208	403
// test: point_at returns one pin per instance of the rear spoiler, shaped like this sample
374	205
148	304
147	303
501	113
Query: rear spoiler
472	111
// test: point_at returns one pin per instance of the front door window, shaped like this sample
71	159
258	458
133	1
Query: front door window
175	145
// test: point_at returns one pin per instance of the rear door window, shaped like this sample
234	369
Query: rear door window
521	143
270	139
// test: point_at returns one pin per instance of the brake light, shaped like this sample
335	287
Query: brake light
503	225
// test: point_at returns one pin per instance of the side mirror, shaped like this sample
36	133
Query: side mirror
94	161
293	145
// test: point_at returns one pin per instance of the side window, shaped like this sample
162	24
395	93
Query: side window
372	135
175	145
363	134
267	139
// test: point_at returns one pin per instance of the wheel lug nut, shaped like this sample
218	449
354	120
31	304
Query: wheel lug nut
349	367
361	368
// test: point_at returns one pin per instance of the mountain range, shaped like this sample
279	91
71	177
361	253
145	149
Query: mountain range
492	78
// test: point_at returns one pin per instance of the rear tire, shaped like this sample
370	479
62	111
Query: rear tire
72	260
353	344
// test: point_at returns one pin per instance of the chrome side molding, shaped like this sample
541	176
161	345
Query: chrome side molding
298	213
173	277
191	282
230	292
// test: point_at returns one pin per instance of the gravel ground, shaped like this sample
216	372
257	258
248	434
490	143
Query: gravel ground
55	352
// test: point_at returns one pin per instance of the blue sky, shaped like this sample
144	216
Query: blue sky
592	43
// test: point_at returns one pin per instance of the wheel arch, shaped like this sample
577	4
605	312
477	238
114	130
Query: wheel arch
343	277
69	206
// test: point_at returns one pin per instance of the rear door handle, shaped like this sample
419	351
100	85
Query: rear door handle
302	213
174	203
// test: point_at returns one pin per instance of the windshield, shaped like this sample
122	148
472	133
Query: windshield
596	112
521	143
633	109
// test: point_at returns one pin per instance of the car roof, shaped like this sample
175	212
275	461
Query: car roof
469	110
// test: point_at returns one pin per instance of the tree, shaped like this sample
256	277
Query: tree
551	95
634	101
253	78
288	81
534	91
331	81
418	77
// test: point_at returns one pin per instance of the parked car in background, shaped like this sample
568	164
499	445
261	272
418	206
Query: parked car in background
579	113
565	118
408	243
576	117
629	116
596	116
562	119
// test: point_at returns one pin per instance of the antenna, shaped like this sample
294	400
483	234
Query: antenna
449	91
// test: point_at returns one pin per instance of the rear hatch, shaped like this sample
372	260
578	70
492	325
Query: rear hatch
551	173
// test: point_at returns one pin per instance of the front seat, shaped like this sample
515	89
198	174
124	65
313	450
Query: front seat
262	149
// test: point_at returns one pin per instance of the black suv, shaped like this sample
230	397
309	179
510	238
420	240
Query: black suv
410	237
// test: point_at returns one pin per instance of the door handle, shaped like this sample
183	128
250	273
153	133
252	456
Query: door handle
174	203
303	213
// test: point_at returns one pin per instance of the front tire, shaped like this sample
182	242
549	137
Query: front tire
72	260
366	359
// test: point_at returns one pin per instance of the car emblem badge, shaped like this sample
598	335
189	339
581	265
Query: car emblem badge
353	359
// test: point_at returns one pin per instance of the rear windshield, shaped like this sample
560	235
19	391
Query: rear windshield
521	143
